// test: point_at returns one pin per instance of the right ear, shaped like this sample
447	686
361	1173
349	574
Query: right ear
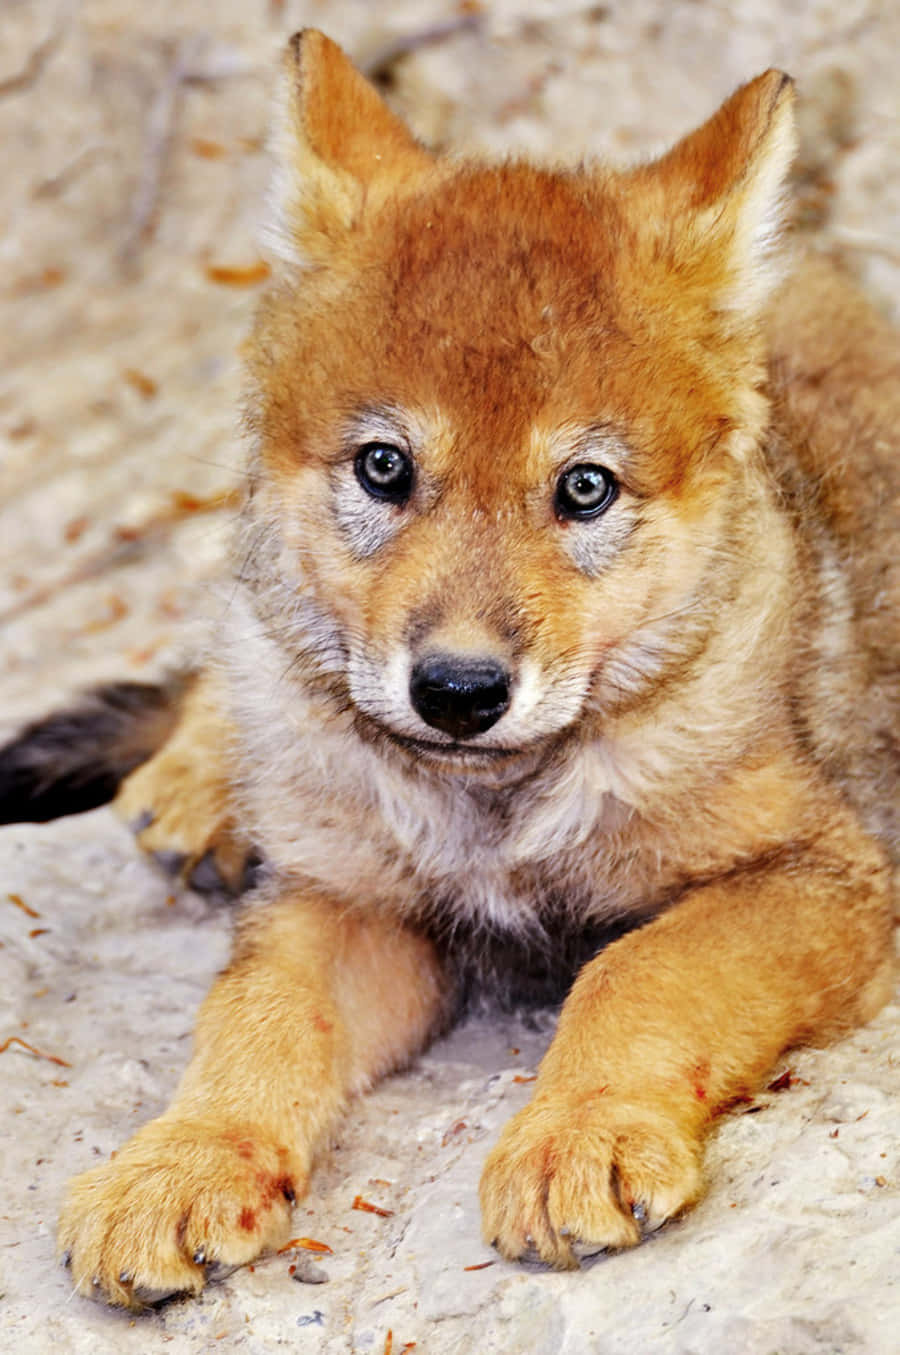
719	204
338	150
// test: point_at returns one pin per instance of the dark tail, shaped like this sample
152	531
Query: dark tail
75	760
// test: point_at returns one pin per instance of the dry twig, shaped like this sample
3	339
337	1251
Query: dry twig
128	544
368	1208
20	903
379	68
57	183
191	64
38	1053
157	146
40	55
307	1244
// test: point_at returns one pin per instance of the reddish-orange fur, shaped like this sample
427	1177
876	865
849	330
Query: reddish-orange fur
697	737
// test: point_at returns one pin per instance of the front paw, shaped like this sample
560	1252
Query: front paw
183	1197
180	814
569	1178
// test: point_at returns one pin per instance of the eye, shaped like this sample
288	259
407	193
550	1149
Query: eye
584	491
384	471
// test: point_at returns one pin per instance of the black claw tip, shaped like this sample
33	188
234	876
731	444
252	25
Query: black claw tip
206	877
289	1194
254	873
66	1259
171	861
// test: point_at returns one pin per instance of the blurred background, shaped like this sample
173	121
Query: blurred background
134	169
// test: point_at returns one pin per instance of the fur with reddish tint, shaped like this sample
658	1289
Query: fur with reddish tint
697	737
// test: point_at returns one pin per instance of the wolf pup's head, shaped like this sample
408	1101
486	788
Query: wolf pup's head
507	418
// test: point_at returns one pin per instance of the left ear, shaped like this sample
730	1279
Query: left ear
338	150
720	194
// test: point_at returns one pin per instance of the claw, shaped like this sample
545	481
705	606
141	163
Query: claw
583	1250
206	877
216	1271
254	873
172	862
151	1298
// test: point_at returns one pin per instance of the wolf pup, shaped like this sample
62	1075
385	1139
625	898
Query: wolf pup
564	608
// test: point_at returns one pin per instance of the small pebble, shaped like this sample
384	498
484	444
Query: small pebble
307	1272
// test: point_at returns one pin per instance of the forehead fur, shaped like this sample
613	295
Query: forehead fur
493	253
505	297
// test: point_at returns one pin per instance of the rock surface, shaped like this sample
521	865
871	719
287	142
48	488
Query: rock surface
132	141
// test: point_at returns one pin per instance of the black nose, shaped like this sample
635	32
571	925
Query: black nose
459	696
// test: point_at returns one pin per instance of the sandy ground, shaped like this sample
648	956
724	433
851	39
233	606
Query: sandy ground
133	175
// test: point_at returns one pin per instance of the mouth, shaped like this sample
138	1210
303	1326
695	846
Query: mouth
454	751
448	752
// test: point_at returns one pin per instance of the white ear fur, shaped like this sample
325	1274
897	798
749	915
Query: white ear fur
722	193
300	177
757	254
336	146
275	236
285	207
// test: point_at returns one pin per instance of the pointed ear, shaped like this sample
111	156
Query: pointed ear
338	150
722	189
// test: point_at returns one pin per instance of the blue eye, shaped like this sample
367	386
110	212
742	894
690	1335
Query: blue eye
384	471
584	491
